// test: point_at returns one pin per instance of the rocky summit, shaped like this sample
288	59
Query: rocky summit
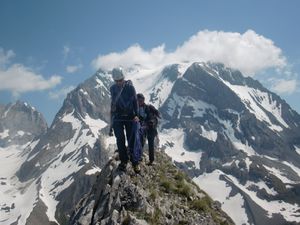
160	194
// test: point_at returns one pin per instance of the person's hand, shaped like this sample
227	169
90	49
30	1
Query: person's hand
136	119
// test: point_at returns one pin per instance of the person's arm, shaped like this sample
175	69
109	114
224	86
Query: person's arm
135	104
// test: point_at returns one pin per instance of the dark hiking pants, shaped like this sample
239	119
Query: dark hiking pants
121	124
150	134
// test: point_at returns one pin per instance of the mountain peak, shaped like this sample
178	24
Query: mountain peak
161	194
21	122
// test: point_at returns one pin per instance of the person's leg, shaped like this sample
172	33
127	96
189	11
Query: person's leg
134	144
142	134
130	135
151	135
118	127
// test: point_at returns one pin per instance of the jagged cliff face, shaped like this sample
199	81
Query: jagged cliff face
237	140
20	127
20	124
159	195
59	166
229	131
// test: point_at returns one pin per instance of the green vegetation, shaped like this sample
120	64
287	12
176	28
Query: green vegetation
153	219
153	194
183	222
171	191
202	204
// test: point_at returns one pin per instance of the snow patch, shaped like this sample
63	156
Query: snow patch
92	171
237	143
254	99
281	175
198	107
287	210
248	162
94	125
297	149
209	134
83	92
173	142
21	133
261	185
219	190
4	134
19	203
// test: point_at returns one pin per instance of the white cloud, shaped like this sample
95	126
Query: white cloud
133	55
73	68
19	79
62	93
5	56
282	86
248	52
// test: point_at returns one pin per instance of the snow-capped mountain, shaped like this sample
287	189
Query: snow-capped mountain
20	127
58	168
237	140
19	124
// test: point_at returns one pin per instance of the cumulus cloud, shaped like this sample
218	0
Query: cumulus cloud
132	56
19	79
73	68
62	93
248	52
283	86
5	56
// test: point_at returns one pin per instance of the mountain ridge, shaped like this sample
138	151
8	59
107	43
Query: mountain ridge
161	194
238	137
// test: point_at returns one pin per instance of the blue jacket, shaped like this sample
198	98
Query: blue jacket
126	104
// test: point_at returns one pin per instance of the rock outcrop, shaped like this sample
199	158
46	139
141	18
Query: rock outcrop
160	194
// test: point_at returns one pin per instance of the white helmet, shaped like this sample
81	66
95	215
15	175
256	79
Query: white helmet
117	73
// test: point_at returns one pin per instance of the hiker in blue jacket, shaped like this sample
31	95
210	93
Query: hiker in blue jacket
124	110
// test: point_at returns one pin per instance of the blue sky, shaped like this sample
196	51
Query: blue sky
49	47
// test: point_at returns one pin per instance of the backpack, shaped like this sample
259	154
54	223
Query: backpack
152	116
123	105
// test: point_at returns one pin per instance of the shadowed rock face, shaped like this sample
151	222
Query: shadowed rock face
203	89
240	128
21	123
161	194
74	145
89	100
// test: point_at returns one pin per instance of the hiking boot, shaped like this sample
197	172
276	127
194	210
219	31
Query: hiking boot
151	163
122	166
137	168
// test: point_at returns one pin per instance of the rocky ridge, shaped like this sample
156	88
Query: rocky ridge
160	194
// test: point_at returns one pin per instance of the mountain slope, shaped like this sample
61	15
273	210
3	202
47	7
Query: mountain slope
159	195
231	130
20	128
59	167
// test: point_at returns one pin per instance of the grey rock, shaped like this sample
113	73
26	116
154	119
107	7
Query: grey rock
22	123
145	198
